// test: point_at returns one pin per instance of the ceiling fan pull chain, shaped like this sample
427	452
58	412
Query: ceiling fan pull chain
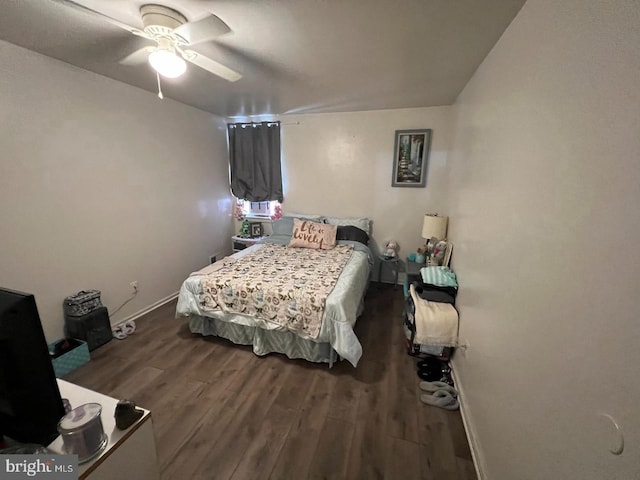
160	96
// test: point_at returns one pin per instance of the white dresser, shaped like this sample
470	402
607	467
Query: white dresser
129	453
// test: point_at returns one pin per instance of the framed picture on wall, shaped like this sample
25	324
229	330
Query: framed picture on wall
411	158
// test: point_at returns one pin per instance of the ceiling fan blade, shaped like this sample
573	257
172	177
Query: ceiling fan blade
202	30
211	65
95	13
138	57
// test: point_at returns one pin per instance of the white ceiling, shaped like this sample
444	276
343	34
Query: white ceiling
296	56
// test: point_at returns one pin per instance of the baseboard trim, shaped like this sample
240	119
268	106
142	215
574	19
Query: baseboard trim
150	308
471	437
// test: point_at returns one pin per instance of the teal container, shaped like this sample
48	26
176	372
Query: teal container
71	359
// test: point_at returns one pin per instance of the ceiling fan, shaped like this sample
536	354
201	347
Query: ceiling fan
171	32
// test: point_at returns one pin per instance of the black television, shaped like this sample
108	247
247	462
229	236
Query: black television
30	401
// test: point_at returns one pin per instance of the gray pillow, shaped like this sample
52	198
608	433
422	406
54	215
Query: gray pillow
306	216
283	226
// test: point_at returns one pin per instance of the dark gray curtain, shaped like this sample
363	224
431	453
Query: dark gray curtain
254	160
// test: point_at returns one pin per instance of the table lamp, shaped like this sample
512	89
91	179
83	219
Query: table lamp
434	229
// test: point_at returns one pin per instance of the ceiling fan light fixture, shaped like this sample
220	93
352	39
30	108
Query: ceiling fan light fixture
167	63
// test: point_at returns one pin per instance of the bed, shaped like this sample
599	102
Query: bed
297	301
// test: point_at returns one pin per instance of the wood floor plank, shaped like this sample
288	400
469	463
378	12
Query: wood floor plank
458	437
220	407
332	453
344	401
403	460
260	457
296	386
402	417
175	417
466	468
296	455
221	365
371	440
219	411
97	371
437	451
135	385
176	351
367	457
227	453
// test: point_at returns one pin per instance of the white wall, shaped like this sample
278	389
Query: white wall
341	165
544	193
102	184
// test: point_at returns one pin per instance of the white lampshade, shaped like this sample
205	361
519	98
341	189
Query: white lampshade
434	226
167	63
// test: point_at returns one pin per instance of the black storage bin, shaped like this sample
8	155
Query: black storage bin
94	327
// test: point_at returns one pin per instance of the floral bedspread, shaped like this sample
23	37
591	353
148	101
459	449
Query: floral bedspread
284	285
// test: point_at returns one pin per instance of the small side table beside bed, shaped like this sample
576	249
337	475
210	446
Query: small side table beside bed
393	262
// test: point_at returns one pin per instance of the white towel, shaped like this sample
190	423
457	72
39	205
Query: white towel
436	323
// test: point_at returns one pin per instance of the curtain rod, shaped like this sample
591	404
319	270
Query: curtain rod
258	123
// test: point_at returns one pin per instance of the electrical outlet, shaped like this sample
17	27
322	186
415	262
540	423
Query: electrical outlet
134	285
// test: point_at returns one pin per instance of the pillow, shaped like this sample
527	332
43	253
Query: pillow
349	232
283	226
304	216
308	234
362	223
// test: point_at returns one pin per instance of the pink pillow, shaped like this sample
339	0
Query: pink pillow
308	234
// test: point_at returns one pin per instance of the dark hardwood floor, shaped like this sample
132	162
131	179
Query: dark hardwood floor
221	412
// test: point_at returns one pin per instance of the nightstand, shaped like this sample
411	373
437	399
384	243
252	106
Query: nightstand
394	263
240	243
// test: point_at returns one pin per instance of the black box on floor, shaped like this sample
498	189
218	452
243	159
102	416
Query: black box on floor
94	327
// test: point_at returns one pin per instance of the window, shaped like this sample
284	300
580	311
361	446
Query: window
249	209
254	161
259	209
